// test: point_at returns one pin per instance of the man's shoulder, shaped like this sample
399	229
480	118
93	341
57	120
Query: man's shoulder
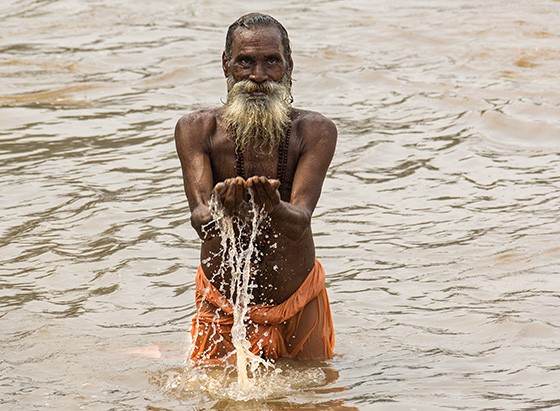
313	122
309	116
199	118
197	126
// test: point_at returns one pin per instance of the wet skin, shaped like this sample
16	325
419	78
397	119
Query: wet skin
208	163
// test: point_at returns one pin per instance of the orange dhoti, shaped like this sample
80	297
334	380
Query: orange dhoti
300	327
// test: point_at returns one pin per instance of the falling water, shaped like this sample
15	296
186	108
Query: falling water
238	255
256	378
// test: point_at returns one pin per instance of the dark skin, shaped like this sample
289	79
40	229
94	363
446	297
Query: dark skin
208	163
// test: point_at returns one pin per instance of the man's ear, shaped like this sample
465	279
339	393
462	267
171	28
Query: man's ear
290	65
225	64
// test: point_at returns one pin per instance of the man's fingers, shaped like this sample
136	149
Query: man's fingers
264	191
238	187
232	194
275	183
261	180
268	189
272	188
250	181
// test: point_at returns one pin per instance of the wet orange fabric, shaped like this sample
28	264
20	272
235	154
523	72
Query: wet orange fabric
300	328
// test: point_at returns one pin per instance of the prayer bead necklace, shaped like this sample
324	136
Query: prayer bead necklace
283	146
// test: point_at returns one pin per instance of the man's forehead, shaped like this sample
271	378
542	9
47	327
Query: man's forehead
269	37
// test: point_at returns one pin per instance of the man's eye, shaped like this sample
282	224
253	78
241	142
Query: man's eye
244	61
273	60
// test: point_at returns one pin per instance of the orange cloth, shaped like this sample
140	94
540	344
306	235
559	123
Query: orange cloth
300	327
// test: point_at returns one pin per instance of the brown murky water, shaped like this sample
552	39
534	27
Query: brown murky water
439	224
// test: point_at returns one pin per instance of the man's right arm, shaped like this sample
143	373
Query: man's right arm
192	136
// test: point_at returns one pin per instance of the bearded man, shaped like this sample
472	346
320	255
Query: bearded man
258	143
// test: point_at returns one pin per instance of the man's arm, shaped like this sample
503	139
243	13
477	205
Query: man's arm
192	135
293	219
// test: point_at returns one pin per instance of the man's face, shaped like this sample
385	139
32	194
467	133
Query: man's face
257	110
257	55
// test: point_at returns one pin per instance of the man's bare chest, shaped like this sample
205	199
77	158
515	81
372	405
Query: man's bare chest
227	163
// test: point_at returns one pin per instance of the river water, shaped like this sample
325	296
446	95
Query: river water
438	226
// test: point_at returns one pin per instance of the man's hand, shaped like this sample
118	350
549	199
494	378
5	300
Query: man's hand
265	192
231	194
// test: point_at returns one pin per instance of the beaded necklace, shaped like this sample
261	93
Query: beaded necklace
284	188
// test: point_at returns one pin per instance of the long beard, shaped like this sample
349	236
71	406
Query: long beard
257	120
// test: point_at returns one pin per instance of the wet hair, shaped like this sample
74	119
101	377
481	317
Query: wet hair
253	21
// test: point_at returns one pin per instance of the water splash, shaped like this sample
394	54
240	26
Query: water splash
251	378
239	253
219	383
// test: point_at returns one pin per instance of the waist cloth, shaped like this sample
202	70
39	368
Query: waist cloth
300	328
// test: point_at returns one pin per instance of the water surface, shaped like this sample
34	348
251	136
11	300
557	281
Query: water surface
438	226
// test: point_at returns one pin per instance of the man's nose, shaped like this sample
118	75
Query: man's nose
258	74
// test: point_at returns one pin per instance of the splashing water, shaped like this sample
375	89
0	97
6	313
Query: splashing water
252	378
238	256
283	380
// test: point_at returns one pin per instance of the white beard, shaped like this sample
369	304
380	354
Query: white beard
260	121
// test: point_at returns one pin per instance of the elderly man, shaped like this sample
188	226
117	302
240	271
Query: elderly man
258	144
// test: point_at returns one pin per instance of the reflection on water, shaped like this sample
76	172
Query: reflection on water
438	226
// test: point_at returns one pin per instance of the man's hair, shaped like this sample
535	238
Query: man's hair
253	21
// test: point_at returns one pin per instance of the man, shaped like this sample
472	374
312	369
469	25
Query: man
258	145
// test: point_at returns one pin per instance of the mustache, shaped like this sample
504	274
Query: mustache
270	88
249	87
